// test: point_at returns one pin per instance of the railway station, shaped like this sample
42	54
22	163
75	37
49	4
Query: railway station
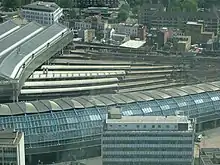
59	97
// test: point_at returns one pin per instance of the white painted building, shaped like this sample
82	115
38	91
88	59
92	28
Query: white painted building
127	29
132	30
94	22
151	140
45	13
12	151
82	25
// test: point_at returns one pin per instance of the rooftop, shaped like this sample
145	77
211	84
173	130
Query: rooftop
10	137
193	23
42	6
150	119
18	37
10	63
6	28
182	42
133	44
194	93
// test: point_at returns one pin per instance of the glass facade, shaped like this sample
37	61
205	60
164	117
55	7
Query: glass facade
70	125
151	147
8	156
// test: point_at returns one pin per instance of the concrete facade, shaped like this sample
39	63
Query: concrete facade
148	140
197	33
133	30
94	22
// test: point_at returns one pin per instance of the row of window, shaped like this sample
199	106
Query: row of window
148	134
147	142
137	148
144	163
144	126
147	156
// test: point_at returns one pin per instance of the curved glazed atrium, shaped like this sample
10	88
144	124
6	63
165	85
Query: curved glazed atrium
59	97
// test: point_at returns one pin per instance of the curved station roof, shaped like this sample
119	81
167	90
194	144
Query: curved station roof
193	93
18	45
63	121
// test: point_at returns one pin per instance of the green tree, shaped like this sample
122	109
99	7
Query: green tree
64	3
72	13
123	13
125	7
100	3
136	9
189	5
183	5
122	16
11	3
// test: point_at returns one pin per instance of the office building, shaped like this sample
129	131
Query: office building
12	148
45	13
159	17
151	140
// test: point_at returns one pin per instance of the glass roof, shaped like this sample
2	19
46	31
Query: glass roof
188	95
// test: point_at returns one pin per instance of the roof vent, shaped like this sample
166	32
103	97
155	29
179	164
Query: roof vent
179	113
114	113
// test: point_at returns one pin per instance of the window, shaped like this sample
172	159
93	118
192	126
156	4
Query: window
145	126
138	126
159	126
153	126
167	126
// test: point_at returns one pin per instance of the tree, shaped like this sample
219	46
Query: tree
123	13
189	5
64	3
122	16
125	7
136	9
11	3
183	5
100	3
72	13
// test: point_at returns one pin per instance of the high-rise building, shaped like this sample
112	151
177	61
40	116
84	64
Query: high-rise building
151	140
12	150
45	13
